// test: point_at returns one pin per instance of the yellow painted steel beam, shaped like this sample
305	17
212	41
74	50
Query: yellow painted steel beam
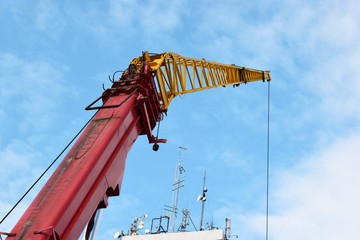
177	75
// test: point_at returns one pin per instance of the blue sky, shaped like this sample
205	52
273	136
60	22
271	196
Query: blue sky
54	57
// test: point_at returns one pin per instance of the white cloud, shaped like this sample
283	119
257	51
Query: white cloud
32	88
123	23
317	199
157	17
314	53
29	91
49	18
233	159
20	167
11	220
312	50
314	45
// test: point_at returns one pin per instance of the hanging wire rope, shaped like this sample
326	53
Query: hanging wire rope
268	165
167	191
197	212
47	169
72	140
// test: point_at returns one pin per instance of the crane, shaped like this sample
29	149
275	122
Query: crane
93	169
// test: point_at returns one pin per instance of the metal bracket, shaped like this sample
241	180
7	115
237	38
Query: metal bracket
7	234
110	106
54	234
146	122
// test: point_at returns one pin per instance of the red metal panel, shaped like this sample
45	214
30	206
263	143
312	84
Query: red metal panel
93	169
94	164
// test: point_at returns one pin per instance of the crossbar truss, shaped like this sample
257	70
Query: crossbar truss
177	75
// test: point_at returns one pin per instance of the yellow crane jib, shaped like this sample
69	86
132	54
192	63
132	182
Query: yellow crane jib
177	75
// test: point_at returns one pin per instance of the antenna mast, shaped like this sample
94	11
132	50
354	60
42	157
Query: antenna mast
227	228
178	183
203	199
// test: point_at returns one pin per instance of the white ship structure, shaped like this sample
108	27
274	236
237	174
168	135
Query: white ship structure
163	227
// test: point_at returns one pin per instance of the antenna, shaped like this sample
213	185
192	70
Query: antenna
227	227
203	199
184	221
178	183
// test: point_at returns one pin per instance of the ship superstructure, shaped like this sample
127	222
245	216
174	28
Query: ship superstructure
196	235
163	227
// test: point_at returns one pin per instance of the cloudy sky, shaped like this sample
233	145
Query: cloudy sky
55	56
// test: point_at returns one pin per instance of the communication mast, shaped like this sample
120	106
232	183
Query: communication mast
227	228
178	183
203	199
184	221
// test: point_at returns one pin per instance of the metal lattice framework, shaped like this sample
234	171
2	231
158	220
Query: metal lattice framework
177	75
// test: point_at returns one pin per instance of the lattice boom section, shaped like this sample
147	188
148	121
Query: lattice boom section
178	75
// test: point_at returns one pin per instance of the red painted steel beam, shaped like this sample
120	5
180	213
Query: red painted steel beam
94	167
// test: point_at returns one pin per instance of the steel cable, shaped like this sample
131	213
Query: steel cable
268	165
46	169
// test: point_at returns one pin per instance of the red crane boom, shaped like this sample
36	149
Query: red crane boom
93	169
